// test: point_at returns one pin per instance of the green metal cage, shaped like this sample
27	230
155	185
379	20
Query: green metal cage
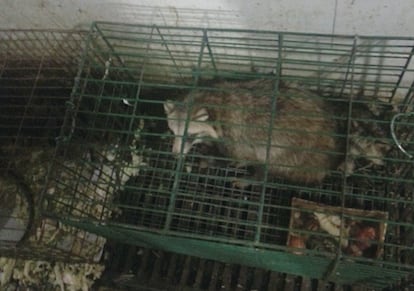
355	226
37	68
37	71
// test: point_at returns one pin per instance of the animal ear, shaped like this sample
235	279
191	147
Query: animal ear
201	115
168	106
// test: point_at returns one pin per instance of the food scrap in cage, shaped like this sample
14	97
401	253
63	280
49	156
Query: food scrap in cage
320	227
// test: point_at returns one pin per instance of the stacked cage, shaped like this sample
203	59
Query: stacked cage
284	151
37	70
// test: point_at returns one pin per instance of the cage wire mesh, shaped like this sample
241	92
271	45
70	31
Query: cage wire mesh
285	151
37	71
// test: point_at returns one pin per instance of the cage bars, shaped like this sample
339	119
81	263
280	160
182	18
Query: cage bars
185	206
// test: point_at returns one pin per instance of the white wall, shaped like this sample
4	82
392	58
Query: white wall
373	17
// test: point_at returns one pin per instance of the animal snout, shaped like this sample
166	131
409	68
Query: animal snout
176	149
178	144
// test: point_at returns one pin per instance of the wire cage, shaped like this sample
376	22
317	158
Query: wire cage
285	151
37	71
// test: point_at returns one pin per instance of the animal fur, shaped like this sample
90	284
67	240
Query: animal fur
238	115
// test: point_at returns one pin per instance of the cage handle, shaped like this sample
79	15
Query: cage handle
394	136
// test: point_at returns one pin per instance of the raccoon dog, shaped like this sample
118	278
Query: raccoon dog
297	140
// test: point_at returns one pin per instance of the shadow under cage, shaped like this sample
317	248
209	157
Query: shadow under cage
285	151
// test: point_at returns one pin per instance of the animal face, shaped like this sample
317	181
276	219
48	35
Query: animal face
189	126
